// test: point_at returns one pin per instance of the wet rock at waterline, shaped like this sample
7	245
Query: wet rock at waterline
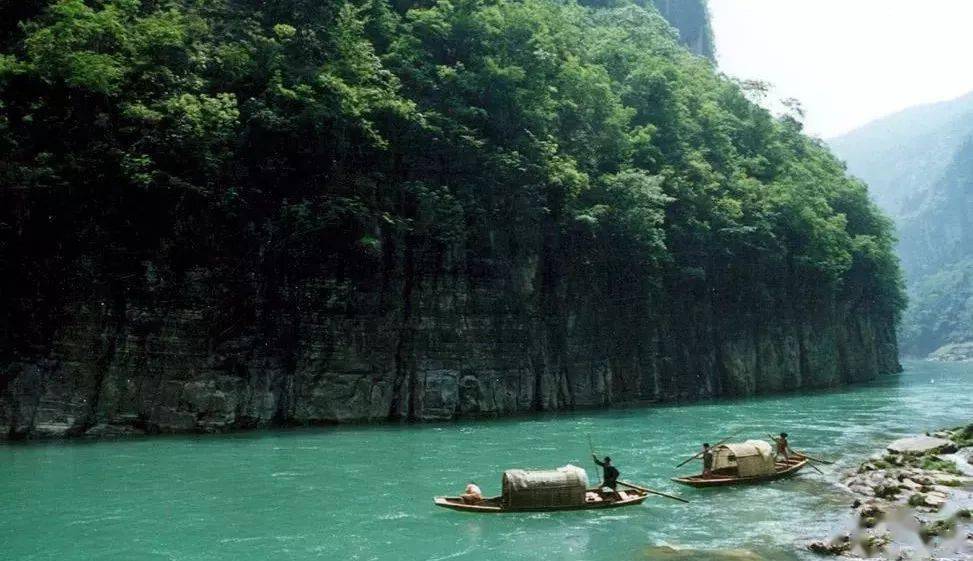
921	445
909	500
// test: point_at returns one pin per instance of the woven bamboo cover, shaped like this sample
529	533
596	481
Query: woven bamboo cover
564	486
750	458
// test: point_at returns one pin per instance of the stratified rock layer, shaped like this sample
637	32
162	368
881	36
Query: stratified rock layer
186	356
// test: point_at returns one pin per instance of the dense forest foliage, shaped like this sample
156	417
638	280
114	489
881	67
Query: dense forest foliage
298	135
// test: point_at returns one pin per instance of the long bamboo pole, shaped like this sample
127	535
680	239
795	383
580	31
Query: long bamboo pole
654	492
815	468
591	447
813	459
714	446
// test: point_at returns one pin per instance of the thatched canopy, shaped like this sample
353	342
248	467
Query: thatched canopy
564	486
750	458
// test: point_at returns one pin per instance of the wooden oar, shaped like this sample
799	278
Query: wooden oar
654	492
711	447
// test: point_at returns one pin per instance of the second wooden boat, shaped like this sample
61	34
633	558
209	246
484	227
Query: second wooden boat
747	462
782	469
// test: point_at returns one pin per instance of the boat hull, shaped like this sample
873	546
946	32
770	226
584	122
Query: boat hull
494	505
783	469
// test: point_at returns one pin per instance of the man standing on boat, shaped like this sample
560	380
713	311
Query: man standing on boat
609	476
782	446
707	459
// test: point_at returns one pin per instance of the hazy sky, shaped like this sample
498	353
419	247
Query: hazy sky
848	61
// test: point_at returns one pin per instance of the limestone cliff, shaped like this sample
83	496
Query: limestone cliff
691	18
415	340
255	214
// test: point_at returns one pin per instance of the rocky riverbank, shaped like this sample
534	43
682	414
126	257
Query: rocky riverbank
914	500
954	352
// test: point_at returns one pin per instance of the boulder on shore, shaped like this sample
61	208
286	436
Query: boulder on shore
919	445
837	546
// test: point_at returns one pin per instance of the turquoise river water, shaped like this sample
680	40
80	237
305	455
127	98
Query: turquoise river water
365	492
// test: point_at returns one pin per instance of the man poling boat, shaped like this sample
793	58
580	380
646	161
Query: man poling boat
611	474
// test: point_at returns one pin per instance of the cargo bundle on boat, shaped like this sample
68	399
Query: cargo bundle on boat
565	488
745	462
748	459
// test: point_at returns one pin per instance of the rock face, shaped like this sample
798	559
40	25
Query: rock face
498	339
692	19
323	293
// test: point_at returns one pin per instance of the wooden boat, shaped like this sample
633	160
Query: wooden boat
594	499
723	477
565	488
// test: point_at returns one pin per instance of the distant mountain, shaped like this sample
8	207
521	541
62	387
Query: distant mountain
901	156
918	164
936	248
937	229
